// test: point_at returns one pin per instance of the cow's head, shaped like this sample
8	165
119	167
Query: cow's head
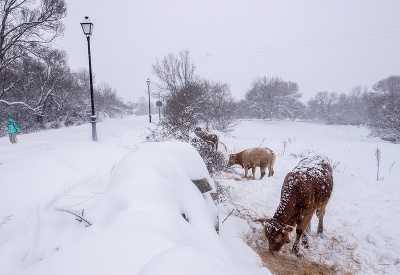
232	159
276	232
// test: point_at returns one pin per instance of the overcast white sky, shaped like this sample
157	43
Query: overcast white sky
321	45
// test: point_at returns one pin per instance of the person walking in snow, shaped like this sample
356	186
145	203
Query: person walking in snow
13	129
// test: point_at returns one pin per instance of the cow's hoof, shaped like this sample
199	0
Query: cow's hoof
296	249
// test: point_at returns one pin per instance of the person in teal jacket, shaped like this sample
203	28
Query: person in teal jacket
13	129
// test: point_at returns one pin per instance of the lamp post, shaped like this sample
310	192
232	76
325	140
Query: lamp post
87	28
148	90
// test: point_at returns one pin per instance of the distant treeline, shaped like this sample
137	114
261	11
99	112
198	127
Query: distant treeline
377	107
190	100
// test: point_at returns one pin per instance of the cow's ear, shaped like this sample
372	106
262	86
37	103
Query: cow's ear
287	228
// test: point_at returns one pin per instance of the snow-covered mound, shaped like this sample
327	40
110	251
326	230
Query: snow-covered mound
151	220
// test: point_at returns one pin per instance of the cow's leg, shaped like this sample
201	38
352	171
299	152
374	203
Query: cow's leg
270	170
253	169
262	169
301	226
304	237
320	214
296	245
245	171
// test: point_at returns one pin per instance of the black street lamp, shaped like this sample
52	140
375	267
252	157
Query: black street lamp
87	28
148	90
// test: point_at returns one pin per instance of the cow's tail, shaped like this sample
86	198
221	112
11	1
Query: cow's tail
273	159
272	162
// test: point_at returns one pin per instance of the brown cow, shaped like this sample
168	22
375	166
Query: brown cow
211	138
252	158
305	190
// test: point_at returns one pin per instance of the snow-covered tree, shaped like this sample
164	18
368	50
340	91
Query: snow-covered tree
221	106
25	26
333	108
384	108
320	106
274	98
174	74
190	100
109	103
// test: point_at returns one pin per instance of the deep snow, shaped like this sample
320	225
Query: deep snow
134	194
361	225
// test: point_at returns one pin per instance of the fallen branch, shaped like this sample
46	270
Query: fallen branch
78	217
228	215
389	168
5	220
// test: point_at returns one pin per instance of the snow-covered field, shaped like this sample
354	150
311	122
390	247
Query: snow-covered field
361	225
133	194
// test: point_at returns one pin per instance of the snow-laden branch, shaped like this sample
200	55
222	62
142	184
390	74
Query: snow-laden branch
34	109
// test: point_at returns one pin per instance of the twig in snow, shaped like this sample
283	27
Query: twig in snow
378	161
78	217
5	220
391	166
67	190
228	215
262	142
245	213
26	254
284	146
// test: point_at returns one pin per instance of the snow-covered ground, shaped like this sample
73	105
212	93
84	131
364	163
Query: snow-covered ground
134	194
361	225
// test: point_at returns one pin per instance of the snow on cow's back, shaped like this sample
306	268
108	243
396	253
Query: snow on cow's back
318	167
315	173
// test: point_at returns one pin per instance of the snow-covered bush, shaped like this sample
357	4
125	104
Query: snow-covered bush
214	160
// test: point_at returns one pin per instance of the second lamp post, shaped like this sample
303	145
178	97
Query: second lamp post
148	90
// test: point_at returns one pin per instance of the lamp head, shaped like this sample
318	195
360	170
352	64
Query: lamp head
87	26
